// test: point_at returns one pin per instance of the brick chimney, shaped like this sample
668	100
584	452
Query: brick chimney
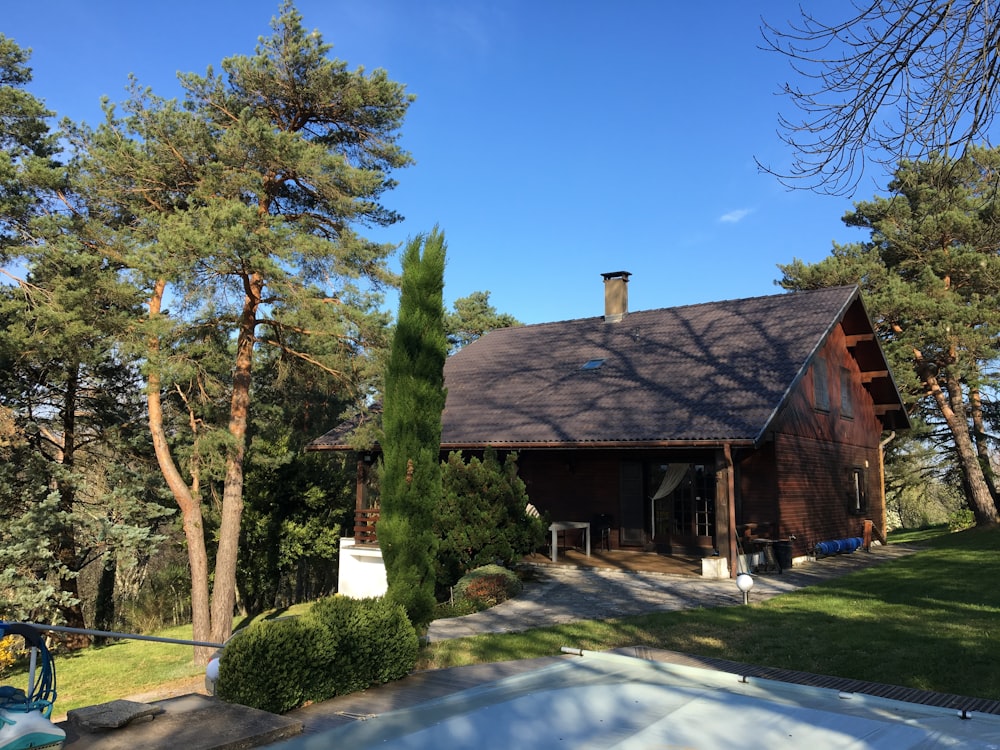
615	296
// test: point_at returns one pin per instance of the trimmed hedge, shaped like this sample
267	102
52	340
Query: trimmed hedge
266	665
340	646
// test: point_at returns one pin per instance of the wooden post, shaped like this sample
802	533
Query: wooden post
730	490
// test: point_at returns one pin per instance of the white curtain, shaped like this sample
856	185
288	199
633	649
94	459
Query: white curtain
675	473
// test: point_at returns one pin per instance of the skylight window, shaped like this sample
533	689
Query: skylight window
592	364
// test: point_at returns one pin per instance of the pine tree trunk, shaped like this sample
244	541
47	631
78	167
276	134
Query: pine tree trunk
188	502
66	547
104	604
224	591
979	497
982	444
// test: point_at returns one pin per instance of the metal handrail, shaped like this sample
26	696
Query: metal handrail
132	636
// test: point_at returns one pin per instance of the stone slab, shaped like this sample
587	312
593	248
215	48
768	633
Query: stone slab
112	715
190	722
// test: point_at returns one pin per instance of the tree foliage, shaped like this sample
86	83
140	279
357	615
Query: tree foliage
214	243
297	503
483	516
931	277
236	208
414	400
75	488
472	317
920	483
27	147
898	79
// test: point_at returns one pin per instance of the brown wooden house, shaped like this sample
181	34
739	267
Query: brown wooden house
688	426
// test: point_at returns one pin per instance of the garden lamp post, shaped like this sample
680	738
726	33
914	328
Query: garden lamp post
744	582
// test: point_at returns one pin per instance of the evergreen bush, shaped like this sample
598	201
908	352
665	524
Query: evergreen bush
482	518
411	420
378	642
340	646
268	665
488	585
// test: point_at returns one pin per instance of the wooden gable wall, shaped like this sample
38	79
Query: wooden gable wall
819	446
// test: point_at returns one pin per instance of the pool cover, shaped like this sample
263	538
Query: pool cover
610	701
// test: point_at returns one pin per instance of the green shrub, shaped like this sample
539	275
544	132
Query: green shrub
340	646
482	517
487	586
455	608
961	519
268	665
377	644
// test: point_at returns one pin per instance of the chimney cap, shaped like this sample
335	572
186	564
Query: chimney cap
616	275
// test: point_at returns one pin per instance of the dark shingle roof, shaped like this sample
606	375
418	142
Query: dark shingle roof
707	372
714	372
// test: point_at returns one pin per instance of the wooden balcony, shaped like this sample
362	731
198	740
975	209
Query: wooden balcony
365	521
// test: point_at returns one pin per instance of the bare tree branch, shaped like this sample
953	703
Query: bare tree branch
898	79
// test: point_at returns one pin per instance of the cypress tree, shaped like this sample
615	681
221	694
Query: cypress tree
414	400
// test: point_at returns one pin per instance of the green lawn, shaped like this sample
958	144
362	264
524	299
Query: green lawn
929	620
106	673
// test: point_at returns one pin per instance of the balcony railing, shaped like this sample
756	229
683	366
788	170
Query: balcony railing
364	527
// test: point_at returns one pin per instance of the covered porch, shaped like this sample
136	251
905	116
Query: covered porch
616	559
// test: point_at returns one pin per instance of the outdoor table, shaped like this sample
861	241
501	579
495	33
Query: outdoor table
558	526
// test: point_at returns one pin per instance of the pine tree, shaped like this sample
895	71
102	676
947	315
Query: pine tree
473	317
931	277
27	148
235	208
414	400
75	490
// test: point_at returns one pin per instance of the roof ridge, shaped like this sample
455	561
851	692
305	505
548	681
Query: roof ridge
689	305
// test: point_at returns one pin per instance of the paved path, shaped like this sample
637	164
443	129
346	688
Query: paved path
563	595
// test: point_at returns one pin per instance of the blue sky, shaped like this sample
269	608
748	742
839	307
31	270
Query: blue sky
554	141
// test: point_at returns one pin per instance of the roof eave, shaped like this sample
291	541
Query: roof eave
560	445
599	444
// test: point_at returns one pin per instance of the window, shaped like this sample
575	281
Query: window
821	389
592	364
694	503
846	403
858	496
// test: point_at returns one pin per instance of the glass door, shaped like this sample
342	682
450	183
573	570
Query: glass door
659	507
693	504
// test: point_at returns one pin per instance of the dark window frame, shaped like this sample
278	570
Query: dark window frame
821	385
857	492
846	393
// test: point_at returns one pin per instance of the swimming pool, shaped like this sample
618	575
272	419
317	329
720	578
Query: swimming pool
602	700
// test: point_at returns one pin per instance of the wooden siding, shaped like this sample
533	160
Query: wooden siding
757	490
800	417
816	489
816	452
571	485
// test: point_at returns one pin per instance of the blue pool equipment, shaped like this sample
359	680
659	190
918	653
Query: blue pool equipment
24	716
838	546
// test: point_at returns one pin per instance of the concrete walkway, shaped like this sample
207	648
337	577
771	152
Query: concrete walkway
563	595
